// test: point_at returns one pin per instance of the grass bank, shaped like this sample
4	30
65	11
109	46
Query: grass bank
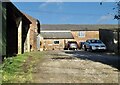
18	69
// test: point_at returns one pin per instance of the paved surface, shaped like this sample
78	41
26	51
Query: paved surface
76	67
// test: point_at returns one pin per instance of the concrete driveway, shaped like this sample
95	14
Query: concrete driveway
76	67
102	57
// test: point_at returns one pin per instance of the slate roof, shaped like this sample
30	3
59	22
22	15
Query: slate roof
30	17
46	27
14	9
57	35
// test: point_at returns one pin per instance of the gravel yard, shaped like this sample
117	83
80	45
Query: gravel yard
75	67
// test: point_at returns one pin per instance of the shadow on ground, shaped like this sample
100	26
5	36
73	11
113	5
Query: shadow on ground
102	57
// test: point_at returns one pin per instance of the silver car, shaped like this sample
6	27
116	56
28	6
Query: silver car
72	45
94	44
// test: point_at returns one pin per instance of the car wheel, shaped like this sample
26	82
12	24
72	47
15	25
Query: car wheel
85	49
90	49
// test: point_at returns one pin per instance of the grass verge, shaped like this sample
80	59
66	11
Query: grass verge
18	69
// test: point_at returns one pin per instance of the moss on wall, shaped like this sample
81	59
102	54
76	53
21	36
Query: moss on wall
0	29
3	29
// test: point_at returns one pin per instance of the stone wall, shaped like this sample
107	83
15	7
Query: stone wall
48	44
82	36
34	28
15	29
3	29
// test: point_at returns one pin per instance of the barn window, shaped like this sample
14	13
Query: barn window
56	42
81	34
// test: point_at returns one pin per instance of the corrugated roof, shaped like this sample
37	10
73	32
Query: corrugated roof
73	27
56	35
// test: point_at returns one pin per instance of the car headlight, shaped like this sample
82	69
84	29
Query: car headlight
93	47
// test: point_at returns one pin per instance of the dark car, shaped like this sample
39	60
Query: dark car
81	44
71	45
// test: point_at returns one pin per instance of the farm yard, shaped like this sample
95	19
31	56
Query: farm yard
56	43
62	67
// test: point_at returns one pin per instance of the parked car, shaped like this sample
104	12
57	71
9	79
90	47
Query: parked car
81	45
71	45
94	44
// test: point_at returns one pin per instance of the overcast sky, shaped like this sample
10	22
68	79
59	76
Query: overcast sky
70	12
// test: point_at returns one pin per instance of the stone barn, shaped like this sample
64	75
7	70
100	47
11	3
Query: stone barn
55	40
17	29
34	32
78	33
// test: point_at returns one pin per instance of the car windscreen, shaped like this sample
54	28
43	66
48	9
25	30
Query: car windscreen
95	41
72	42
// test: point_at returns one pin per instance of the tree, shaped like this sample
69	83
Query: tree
117	17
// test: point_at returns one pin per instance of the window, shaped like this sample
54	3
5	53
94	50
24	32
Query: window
81	34
56	42
95	41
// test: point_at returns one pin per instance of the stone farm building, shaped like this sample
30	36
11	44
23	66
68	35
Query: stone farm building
33	32
18	31
54	37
